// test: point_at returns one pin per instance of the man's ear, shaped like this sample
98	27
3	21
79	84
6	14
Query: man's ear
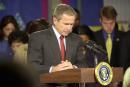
54	19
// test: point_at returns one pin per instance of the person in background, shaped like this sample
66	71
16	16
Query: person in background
36	25
13	74
19	43
85	33
57	49
126	80
77	21
109	36
8	24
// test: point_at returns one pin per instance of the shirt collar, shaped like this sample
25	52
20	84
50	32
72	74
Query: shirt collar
105	34
56	32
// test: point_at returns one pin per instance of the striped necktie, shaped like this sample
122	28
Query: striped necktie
62	46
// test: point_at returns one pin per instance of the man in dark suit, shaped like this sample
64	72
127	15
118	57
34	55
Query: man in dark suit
45	51
108	16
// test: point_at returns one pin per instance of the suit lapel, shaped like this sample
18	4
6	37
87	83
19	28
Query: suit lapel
54	46
116	41
101	40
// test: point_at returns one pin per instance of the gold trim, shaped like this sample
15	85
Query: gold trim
103	73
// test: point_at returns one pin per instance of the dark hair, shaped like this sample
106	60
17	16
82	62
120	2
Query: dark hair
37	25
6	20
108	12
78	13
18	36
84	29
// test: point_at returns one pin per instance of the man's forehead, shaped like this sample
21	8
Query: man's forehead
103	18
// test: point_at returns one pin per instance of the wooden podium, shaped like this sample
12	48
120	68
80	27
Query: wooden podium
81	75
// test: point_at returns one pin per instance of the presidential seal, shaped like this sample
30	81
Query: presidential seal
103	73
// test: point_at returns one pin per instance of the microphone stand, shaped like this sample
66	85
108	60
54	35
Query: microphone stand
96	49
82	84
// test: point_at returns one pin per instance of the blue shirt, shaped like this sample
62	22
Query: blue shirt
5	50
105	35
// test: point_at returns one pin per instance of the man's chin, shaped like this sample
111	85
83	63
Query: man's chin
109	32
65	34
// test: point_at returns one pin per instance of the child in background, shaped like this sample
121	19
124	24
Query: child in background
19	44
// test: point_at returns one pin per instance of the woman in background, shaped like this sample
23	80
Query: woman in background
8	24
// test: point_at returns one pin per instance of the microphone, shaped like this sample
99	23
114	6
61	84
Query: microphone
96	48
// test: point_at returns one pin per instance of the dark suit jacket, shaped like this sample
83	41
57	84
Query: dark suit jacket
44	50
125	51
114	61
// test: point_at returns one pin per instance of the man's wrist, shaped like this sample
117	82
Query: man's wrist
51	69
75	67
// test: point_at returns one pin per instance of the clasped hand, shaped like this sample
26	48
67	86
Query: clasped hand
64	65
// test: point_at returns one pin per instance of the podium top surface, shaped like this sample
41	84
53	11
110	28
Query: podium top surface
81	75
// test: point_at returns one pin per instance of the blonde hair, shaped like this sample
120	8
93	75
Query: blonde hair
63	9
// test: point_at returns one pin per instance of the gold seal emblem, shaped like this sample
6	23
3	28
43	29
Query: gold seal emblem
103	73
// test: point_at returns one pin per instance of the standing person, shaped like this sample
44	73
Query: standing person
57	49
8	24
109	36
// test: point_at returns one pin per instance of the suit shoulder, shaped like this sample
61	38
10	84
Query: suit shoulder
40	33
75	36
98	32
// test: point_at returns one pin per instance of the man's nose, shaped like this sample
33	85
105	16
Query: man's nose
109	25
